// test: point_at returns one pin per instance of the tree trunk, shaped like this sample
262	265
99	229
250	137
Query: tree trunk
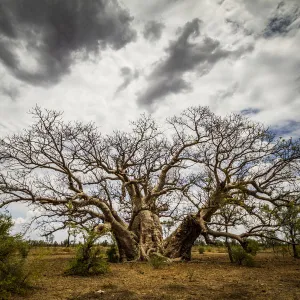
228	246
180	242
126	240
294	247
68	240
147	227
295	251
127	244
229	251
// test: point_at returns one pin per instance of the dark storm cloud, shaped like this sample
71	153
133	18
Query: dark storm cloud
153	30
55	32
162	88
128	76
184	55
280	23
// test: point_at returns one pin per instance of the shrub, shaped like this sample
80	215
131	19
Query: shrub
112	254
13	252
201	249
219	244
208	249
241	257
158	261
252	247
88	260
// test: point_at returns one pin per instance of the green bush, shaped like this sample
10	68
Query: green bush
112	254
158	261
88	260
13	253
252	247
201	250
241	257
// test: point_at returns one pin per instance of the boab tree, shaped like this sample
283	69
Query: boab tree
126	182
121	181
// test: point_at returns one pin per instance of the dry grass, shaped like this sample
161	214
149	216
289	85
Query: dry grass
207	276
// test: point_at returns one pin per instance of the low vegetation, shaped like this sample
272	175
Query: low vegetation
206	276
89	260
112	254
13	253
158	261
201	249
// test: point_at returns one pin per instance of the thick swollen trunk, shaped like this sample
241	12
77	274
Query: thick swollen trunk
126	240
140	239
147	227
127	243
180	242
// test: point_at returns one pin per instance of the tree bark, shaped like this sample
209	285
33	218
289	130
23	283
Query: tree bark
295	252
127	244
294	247
180	242
228	246
126	240
147	227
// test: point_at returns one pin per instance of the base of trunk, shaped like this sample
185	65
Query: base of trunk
179	243
147	227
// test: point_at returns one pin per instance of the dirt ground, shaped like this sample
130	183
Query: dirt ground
207	276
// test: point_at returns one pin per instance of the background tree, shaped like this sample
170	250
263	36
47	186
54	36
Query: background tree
288	218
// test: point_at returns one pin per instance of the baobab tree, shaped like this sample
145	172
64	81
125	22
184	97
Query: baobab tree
121	180
126	182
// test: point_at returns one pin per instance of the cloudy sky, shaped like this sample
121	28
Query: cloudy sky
109	61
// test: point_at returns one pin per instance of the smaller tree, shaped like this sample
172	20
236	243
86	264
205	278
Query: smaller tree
289	219
13	252
88	260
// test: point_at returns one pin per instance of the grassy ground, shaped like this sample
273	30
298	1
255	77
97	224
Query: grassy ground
207	276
